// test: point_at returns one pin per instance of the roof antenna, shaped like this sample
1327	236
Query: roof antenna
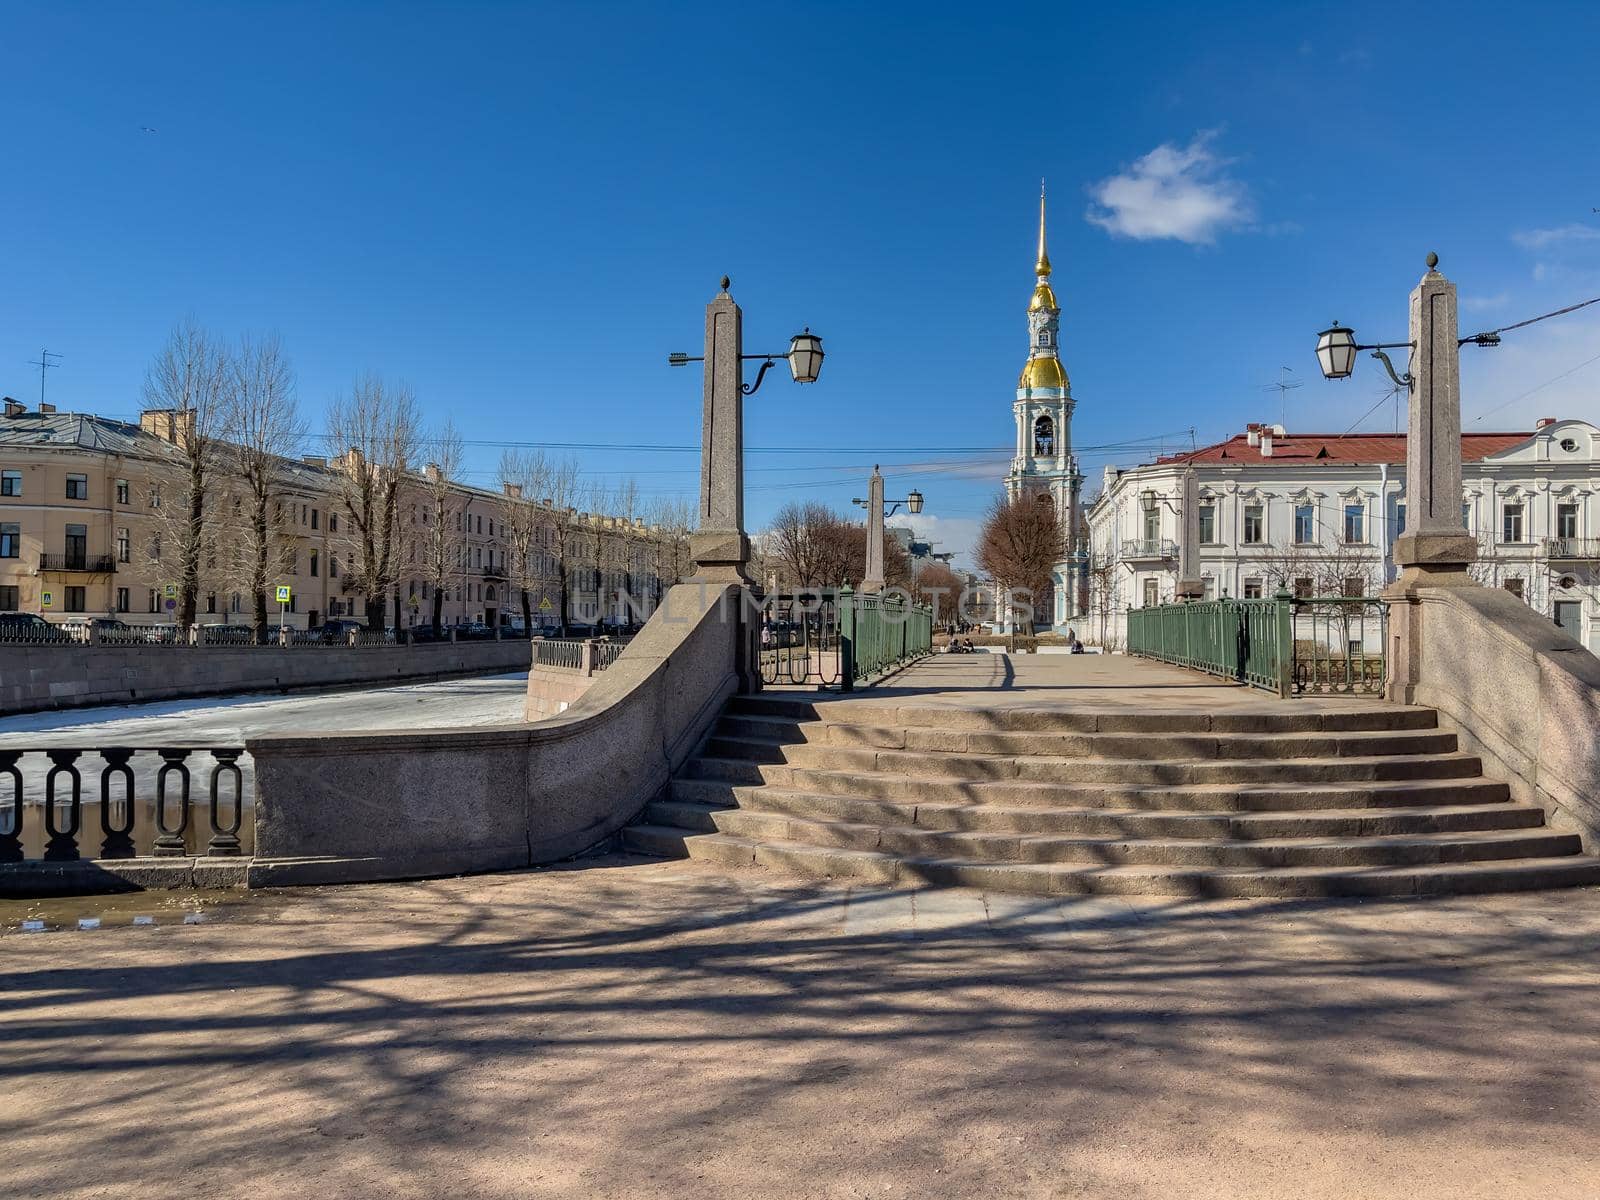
44	364
1285	385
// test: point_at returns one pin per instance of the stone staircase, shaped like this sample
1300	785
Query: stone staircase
1361	801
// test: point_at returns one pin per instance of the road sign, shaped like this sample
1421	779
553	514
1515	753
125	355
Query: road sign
283	594
171	604
545	605
171	591
49	599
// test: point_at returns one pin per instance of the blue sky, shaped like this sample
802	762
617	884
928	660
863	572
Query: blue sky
520	209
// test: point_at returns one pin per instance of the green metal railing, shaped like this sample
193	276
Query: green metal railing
878	633
1286	645
1248	640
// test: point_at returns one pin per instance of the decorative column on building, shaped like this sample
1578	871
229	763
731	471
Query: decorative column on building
1044	463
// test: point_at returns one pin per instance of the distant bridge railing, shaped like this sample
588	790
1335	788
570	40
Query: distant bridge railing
143	799
588	655
1285	644
840	638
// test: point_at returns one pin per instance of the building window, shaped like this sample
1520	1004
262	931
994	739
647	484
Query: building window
75	599
1566	520
211	602
1255	525
1355	586
1302	587
155	546
1355	524
1400	517
124	603
124	546
316	515
314	564
155	601
77	487
1466	515
8	598
1511	523
1152	593
10	483
155	495
333	566
1044	436
1514	586
1252	589
1305	524
480	524
10	541
1208	524
77	547
333	522
122	491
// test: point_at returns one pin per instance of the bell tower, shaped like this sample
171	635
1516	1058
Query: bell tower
1044	464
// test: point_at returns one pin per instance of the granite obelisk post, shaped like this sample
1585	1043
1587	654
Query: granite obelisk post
720	547
1435	549
873	580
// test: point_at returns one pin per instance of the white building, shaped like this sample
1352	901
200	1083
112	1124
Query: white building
1319	513
1044	465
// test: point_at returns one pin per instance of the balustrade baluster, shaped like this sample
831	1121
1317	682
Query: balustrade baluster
63	843
11	825
169	840
225	840
117	840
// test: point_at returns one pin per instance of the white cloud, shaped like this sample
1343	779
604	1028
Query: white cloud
1542	371
957	535
1184	194
1543	239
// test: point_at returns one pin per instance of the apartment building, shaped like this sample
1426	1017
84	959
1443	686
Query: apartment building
87	523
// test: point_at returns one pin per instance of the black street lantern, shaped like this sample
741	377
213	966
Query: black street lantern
1336	351
805	356
914	501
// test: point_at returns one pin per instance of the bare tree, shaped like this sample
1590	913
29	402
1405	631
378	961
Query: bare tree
940	588
441	550
377	428
558	531
672	520
522	479
185	384
262	425
797	543
1021	542
596	547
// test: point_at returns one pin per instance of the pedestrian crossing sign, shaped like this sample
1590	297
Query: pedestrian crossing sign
283	595
545	605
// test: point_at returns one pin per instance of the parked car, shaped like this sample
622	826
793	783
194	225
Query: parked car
337	631
473	631
98	624
30	627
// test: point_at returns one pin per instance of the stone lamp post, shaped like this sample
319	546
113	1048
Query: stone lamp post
1435	550
720	546
872	581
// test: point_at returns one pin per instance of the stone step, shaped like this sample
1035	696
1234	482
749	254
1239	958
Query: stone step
785	731
750	761
1374	716
1056	878
992	847
1197	799
686	810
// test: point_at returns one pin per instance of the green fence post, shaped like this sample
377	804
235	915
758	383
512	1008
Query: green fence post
847	639
1283	635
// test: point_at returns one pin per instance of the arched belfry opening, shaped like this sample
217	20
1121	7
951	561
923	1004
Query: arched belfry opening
1044	437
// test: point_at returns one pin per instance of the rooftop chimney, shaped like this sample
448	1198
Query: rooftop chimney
514	490
1543	421
13	408
1266	443
433	472
46	408
314	460
1252	433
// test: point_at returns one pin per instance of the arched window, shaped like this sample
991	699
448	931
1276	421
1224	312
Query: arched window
489	596
1044	337
1044	436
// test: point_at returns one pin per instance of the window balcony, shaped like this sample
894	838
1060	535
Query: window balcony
1572	548
88	564
1149	549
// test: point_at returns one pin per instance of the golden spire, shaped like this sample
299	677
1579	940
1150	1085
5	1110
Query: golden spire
1042	267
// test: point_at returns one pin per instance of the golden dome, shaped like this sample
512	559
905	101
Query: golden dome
1043	373
1043	298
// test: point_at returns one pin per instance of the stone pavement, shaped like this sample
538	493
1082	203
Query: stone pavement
621	1028
1076	681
